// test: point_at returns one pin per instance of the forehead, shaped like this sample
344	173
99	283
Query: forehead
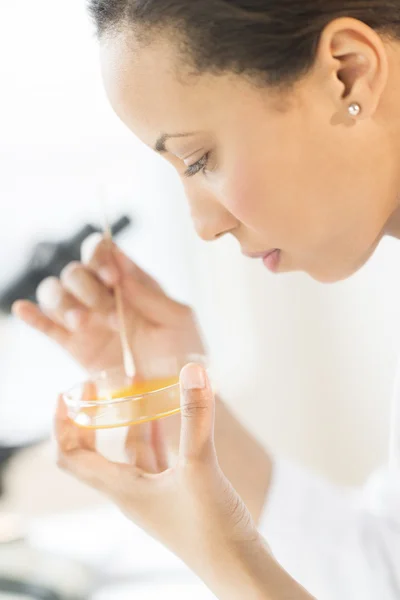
153	91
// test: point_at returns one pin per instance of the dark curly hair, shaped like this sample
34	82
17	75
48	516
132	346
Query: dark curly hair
274	39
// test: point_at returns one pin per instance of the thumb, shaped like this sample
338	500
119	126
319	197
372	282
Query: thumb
198	413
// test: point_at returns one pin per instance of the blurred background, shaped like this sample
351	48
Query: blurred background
309	368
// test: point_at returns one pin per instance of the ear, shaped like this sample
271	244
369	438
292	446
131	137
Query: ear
354	58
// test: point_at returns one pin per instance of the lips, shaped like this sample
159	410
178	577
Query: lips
270	258
259	254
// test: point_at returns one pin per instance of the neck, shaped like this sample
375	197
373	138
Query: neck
393	224
392	104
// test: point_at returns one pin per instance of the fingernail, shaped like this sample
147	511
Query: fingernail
193	377
109	275
73	319
89	247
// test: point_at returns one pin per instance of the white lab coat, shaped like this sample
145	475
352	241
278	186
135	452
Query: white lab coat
329	540
340	544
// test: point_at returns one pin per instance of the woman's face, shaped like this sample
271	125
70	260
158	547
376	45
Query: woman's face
277	170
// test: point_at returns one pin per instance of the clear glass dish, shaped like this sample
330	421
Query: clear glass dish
111	399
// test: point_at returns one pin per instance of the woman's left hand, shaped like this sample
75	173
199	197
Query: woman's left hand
191	507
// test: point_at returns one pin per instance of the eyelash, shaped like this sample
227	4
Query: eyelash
198	166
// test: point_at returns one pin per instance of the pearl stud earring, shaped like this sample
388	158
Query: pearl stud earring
354	109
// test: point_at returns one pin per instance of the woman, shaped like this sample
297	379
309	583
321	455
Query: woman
282	117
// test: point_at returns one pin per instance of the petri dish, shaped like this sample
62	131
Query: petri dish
111	399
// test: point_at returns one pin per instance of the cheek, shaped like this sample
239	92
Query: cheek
259	193
246	191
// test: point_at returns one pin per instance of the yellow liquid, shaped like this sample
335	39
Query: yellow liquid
143	409
144	387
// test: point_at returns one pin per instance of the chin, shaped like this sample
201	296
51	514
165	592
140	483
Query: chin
329	270
329	278
337	275
319	273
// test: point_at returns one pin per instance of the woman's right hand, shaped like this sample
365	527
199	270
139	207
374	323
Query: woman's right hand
78	311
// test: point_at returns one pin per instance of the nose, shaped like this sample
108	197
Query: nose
210	231
211	219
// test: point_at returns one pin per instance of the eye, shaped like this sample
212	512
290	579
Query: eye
198	166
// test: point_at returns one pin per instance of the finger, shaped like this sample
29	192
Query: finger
128	267
110	263
68	434
159	444
65	430
85	464
154	305
197	410
96	253
94	470
83	285
87	436
139	448
58	304
31	314
140	290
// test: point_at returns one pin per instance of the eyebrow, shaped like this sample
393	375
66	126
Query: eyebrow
163	139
